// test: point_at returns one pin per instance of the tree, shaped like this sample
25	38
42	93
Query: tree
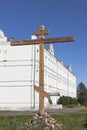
82	94
81	88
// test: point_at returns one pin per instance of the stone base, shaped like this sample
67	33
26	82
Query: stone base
46	122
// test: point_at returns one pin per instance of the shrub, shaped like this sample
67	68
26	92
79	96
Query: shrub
65	100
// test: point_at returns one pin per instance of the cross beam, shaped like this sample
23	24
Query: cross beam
41	41
44	41
43	93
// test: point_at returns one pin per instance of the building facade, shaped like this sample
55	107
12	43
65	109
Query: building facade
19	72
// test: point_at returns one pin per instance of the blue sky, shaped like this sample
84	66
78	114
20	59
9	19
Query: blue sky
20	18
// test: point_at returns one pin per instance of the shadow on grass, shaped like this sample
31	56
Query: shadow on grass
85	125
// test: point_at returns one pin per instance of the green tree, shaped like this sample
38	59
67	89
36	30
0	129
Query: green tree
81	88
82	94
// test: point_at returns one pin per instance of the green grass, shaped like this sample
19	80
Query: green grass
71	122
14	122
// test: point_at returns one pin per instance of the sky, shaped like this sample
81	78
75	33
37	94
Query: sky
20	18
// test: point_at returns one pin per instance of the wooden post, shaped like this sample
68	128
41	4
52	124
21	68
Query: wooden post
41	72
41	78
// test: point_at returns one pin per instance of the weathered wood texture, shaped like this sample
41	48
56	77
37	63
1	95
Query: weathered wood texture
41	70
42	92
44	41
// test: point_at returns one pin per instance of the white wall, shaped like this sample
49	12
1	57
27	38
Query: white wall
19	71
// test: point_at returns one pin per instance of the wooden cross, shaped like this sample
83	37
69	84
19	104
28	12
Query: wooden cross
41	41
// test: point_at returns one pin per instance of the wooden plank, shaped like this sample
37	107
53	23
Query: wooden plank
41	76
59	40
24	42
38	41
43	93
41	32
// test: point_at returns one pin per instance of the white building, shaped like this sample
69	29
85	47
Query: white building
19	71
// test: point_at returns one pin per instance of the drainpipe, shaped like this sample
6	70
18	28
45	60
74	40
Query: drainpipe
34	37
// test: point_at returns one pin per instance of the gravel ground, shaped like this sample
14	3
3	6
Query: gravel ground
64	110
50	111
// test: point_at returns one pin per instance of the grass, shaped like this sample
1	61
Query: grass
83	109
14	122
71	121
